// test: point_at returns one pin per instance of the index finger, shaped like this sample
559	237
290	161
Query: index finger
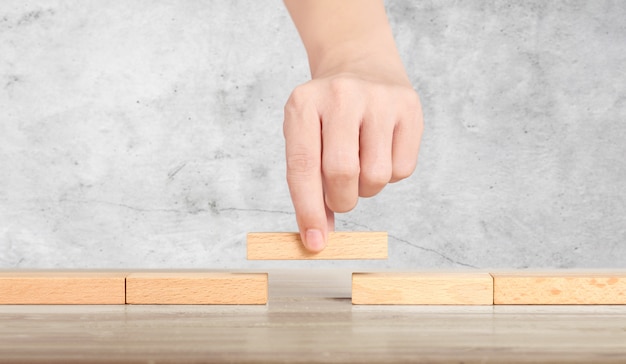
303	148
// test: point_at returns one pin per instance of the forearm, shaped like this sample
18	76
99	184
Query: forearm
348	36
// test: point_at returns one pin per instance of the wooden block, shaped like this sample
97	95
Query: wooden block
341	245
422	288
560	288
61	288
196	288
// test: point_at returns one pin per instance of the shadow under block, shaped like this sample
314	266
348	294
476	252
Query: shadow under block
62	288
196	288
422	288
341	245
560	288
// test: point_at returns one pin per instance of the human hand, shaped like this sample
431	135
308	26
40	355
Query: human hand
346	136
357	125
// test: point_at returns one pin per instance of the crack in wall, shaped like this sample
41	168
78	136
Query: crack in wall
117	204
237	209
432	251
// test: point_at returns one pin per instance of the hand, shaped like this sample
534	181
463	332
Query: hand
357	125
347	135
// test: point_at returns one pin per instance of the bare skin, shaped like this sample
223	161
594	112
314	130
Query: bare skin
357	125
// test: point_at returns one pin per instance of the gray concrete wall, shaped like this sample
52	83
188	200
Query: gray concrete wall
147	134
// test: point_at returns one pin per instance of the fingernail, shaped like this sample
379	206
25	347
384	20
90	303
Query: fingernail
314	240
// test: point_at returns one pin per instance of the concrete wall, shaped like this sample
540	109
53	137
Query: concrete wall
147	134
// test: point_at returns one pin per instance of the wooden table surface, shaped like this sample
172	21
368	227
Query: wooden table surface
310	318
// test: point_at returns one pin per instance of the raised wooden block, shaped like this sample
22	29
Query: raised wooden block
196	288
62	288
341	245
422	288
560	288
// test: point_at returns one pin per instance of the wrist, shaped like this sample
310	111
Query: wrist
371	59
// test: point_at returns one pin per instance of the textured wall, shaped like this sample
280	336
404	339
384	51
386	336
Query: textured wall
148	134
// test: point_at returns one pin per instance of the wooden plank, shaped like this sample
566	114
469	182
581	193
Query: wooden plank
61	288
197	288
560	288
422	288
341	245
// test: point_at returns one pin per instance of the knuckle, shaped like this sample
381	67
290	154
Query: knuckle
300	98
369	191
413	106
402	170
301	165
298	110
377	177
345	205
340	172
412	98
373	181
344	91
340	85
346	208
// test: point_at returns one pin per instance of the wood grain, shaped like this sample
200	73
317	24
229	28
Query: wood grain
62	288
341	245
422	288
295	329
560	288
197	288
